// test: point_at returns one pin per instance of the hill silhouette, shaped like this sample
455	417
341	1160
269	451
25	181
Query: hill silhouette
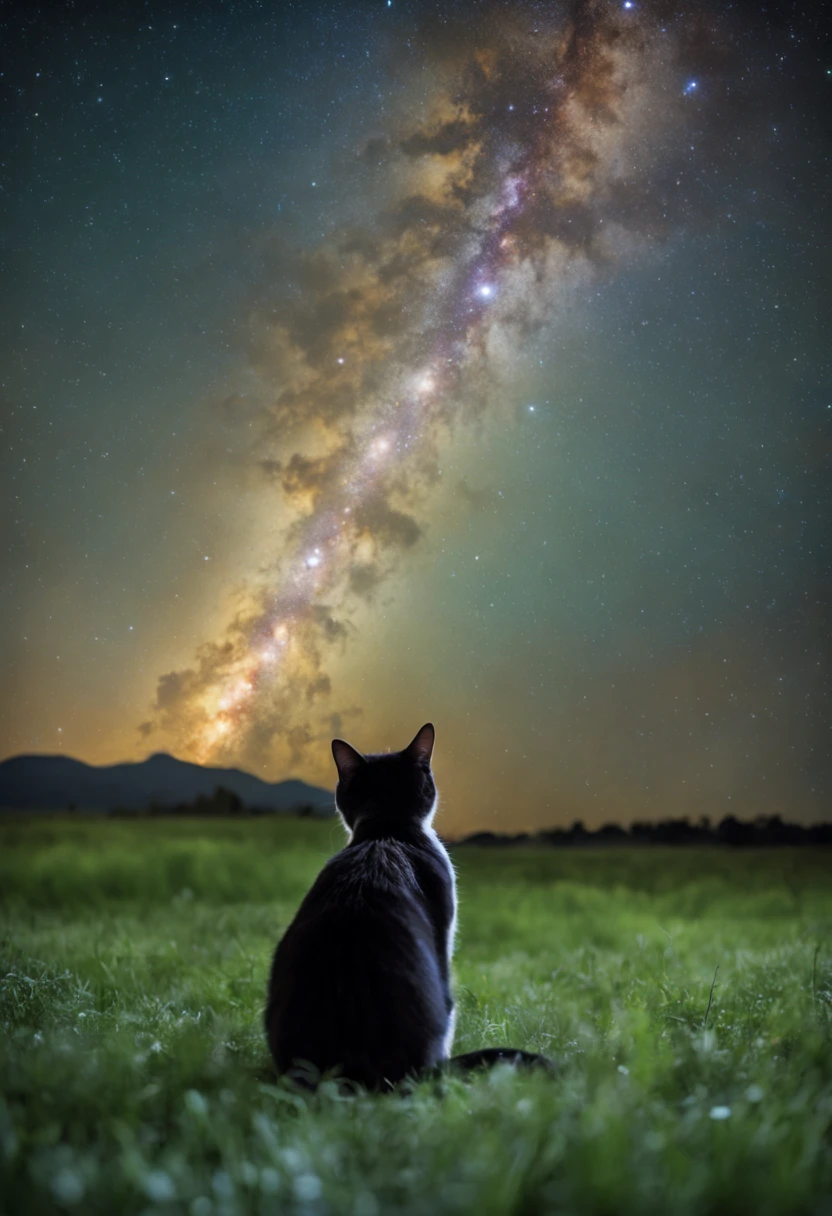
56	783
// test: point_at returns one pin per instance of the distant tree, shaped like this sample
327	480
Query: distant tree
225	802
484	838
732	832
555	837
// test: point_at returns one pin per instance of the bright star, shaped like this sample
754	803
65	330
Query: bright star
379	446
425	383
486	291
691	86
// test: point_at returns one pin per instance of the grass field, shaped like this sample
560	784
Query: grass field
135	1079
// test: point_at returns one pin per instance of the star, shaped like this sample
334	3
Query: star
379	447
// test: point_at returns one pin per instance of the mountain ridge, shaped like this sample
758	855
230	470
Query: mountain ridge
40	782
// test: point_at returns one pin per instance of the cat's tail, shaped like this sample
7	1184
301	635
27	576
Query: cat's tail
305	1077
488	1057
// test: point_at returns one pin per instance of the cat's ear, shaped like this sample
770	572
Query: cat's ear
422	746
347	759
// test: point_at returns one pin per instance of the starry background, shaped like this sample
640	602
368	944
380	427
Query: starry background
370	364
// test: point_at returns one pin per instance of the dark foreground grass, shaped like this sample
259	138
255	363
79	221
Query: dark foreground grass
135	1079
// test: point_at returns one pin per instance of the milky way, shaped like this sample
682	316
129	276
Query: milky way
545	152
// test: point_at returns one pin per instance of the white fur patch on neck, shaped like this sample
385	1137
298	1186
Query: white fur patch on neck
350	831
427	822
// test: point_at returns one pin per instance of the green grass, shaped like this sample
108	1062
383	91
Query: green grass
135	1078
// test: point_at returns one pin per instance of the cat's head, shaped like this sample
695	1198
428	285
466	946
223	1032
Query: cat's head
395	787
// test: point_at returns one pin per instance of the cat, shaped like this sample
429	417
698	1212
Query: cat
361	980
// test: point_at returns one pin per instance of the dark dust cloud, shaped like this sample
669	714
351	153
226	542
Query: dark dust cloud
380	363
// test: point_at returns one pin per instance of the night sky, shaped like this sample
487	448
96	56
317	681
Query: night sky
372	364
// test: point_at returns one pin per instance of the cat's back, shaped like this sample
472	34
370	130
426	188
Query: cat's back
356	980
373	890
380	872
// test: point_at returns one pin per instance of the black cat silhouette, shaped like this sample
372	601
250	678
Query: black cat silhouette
360	982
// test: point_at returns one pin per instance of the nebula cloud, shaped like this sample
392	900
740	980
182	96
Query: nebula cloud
544	153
